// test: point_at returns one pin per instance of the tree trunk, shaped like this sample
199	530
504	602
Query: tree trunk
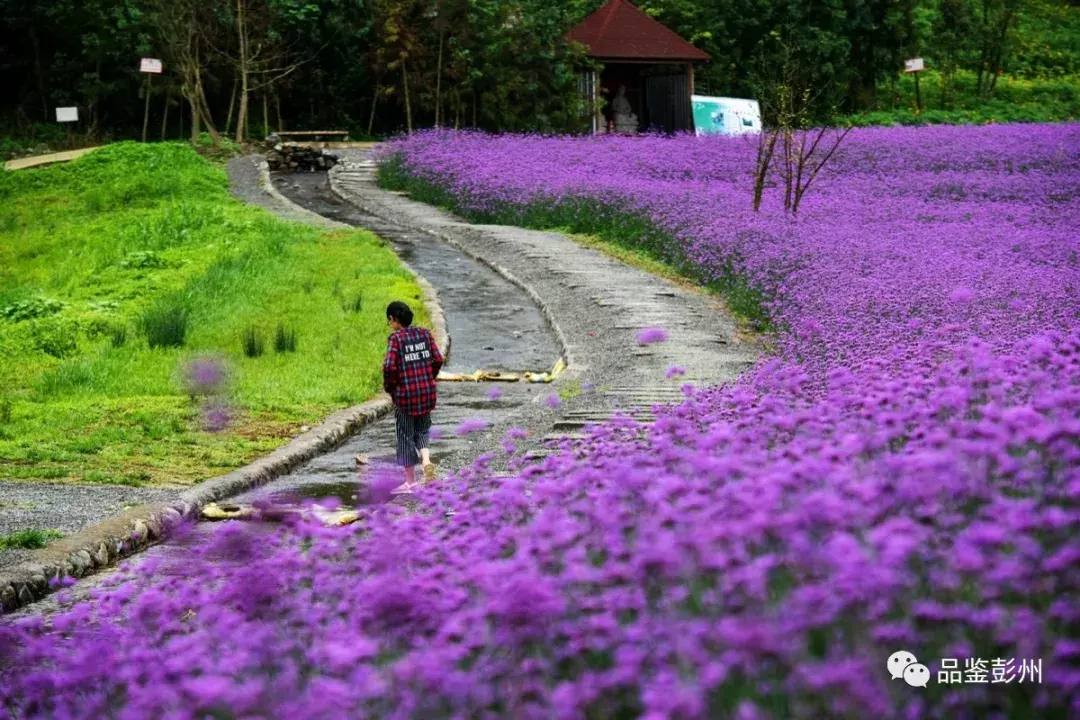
93	103
241	36
371	117
39	74
204	106
984	49
193	101
277	111
999	52
266	115
146	108
408	103
438	82
232	105
241	114
165	115
766	148
789	169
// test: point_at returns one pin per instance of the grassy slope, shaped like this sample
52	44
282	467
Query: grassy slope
129	227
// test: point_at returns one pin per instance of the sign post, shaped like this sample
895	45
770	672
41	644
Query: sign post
915	65
150	66
67	115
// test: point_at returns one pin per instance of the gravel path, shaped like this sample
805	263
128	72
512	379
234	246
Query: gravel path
69	508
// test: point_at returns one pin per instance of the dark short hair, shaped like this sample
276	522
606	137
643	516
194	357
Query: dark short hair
399	311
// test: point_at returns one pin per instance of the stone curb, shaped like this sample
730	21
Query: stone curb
572	366
101	545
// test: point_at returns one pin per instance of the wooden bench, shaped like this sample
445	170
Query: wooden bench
313	134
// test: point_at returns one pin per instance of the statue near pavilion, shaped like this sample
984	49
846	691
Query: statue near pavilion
625	119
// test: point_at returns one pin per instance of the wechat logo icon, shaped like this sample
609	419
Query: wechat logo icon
903	664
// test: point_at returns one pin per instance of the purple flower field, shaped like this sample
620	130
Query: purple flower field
902	474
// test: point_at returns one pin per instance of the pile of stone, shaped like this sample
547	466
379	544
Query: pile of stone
297	157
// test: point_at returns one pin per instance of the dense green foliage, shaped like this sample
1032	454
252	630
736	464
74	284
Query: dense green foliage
953	101
501	64
118	269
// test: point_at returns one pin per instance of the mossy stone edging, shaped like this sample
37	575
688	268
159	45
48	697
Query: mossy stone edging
101	545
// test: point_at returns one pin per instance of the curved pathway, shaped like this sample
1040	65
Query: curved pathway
597	304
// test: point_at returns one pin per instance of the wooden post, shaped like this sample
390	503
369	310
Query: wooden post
689	95
918	96
165	114
146	107
597	117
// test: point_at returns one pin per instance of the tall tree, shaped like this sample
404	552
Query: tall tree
184	27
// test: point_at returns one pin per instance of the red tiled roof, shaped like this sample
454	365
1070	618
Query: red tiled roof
621	31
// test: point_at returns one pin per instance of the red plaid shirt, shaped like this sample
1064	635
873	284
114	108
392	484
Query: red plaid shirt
412	362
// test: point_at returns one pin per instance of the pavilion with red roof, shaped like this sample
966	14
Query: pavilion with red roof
654	64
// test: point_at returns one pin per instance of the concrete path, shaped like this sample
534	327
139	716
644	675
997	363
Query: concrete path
38	160
598	305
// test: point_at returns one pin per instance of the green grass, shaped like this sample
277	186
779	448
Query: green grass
118	268
28	539
622	232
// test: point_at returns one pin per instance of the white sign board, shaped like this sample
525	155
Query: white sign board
68	114
913	65
725	116
150	65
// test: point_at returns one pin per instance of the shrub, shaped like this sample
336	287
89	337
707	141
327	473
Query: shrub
117	335
31	539
31	308
143	260
166	324
354	304
58	337
252	341
284	339
5	410
68	378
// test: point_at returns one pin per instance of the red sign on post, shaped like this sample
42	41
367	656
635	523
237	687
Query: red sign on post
150	65
913	65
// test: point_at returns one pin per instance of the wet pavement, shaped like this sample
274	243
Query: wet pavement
492	324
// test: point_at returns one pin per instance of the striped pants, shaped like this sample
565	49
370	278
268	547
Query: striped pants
413	433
